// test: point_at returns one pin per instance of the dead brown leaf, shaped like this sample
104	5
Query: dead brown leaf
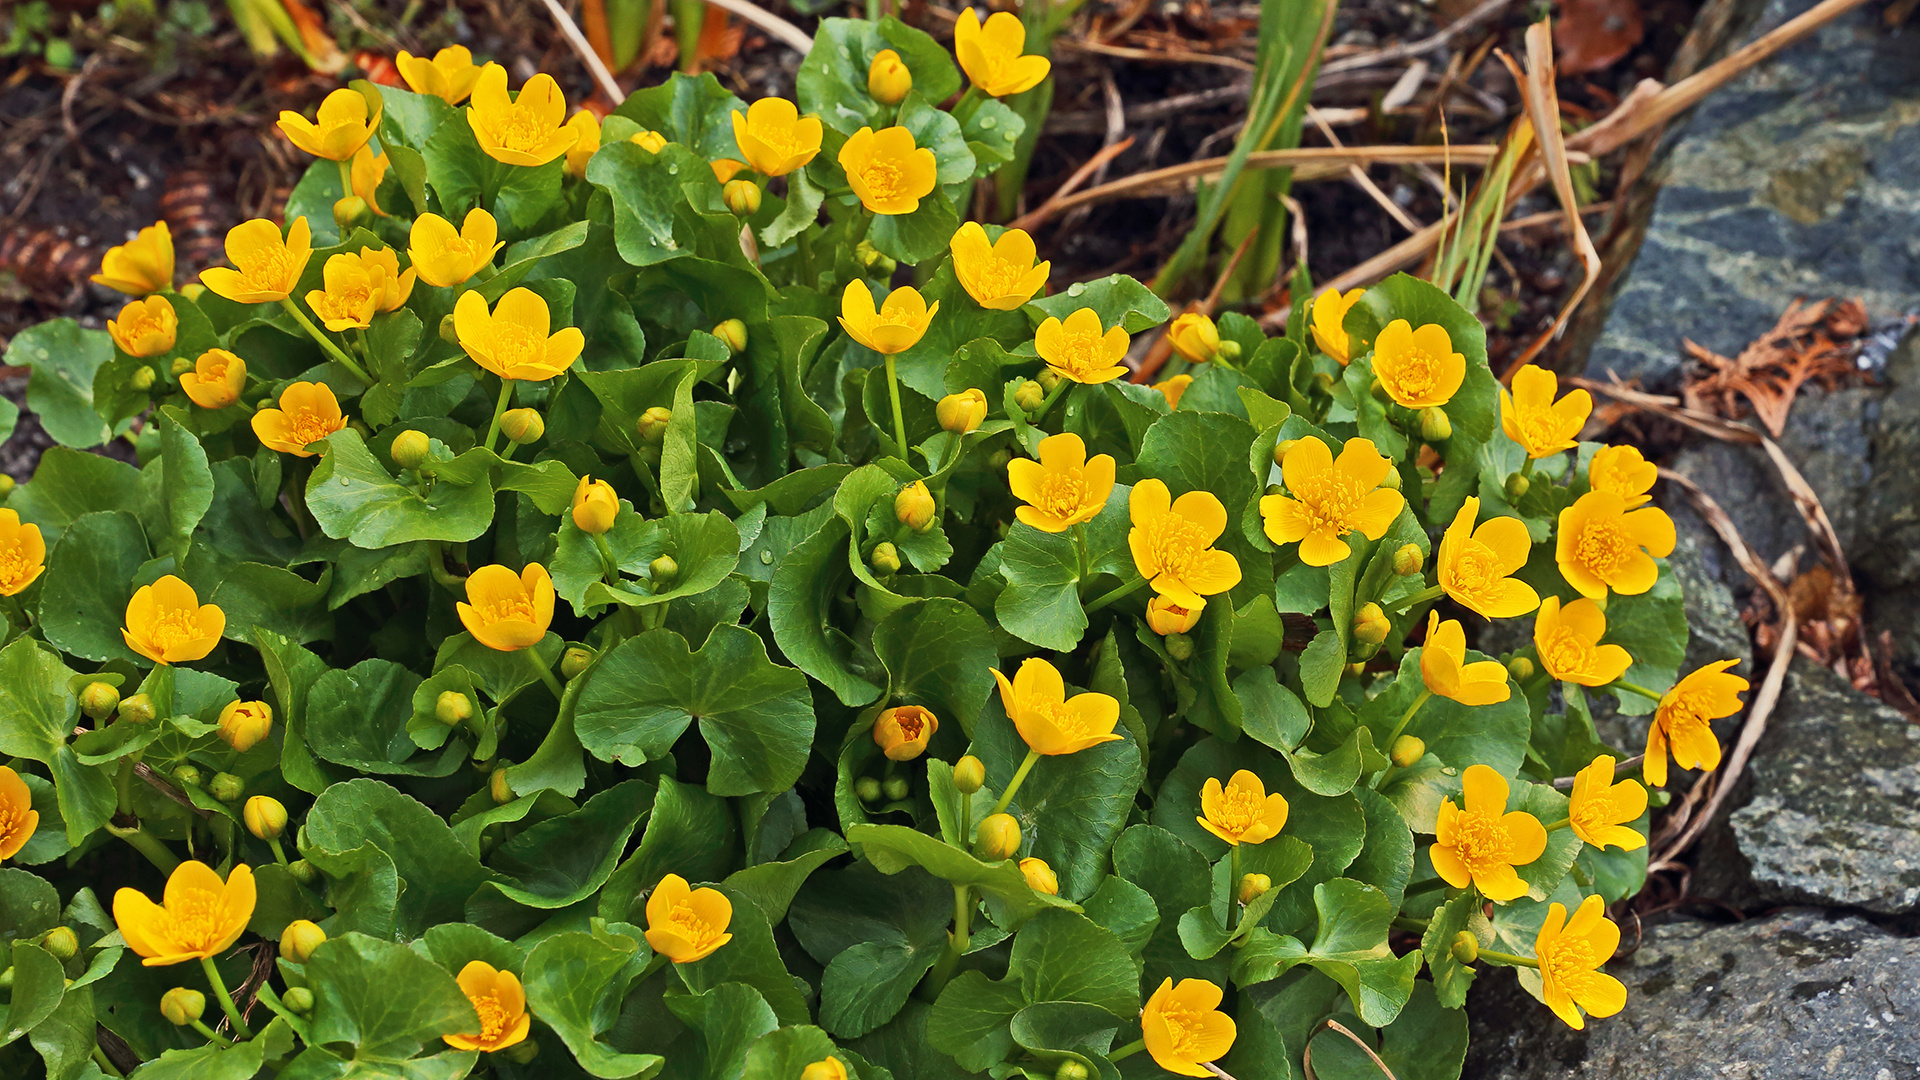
1595	34
1810	342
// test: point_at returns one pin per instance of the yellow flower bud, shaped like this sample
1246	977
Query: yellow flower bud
299	939
902	731
1029	395
1520	668
742	197
226	787
969	775
1407	749
734	333
522	426
498	787
449	333
1048	379
1040	877
1194	337
651	141
998	837
914	507
99	699
653	424
6	485
299	999
452	707
410	448
663	570
574	661
1371	625
1466	947
1434	425
350	211
888	79
265	816
828	1068
182	1006
1164	617
1253	886
1280	451
1069	1069
885	559
180	366
1516	487
595	506
142	379
962	412
1408	560
62	942
243	724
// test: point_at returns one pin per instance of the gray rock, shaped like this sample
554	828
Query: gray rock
1799	995
1891	501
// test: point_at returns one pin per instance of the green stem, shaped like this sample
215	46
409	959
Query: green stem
957	942
123	783
1402	922
1509	958
226	1000
1650	695
437	567
1119	593
149	845
106	1065
1128	1050
212	1036
1561	824
1430	593
968	102
1526	469
499	410
546	675
899	421
1019	777
1234	914
346	178
1080	547
339	355
1406	718
279	853
609	566
1046	404
653	966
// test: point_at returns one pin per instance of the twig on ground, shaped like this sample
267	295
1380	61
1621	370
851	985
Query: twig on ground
1486	12
584	50
1306	1053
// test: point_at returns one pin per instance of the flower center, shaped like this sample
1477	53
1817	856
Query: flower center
783	141
516	344
1589	814
1685	711
1416	373
1603	547
493	1016
1570	962
883	178
174	626
1174	543
1183	1028
305	426
1238	810
11	818
512	609
1069	721
998	277
1474	568
269	270
1540	427
139	324
1062	491
694	928
197	920
522	129
1327	501
346	303
1078	353
911	723
14	568
1480	840
1564	651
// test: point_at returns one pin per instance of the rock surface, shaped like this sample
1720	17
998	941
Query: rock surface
1798	995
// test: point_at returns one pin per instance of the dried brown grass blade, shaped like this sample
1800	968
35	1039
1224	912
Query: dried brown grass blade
1054	203
1306	1055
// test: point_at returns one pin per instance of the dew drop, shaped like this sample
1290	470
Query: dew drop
766	558
1076	288
988	122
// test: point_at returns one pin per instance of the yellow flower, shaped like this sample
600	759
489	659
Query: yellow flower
366	172
992	55
18	818
1051	723
346	121
200	916
686	924
651	141
449	76
1475	564
899	324
1602	545
1683	722
167	623
1568	642
1077	349
775	139
888	79
1600	809
1418	368
1000	274
889	173
1184	1028
269	265
448	258
508	611
308	413
1622	471
1040	877
1330	498
962	413
1570	952
244	724
529	129
1329	323
586	127
1166	617
595	505
512	341
142	265
1444	667
1172	543
828	1068
1194	337
146	327
23	554
1241	812
1481	845
902	731
1542	426
396	285
1063	488
502	1004
1173	388
358	287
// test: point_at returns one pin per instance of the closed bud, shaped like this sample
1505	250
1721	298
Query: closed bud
868	789
265	816
742	197
452	707
653	425
574	661
1229	350
1379	391
1408	560
1371	625
226	787
181	365
871	257
663	570
998	837
1028	395
969	775
914	507
596	506
447	332
1275	489
299	999
962	412
498	787
350	211
1434	425
522	1052
885	559
734	333
410	448
1194	337
896	788
1254	886
522	426
1048	379
99	699
1280	450
62	942
244	724
303	871
888	79
6	485
1466	947
1406	750
141	380
299	939
1325	382
1180	647
1516	487
1520	668
1069	1069
1357	668
187	776
1040	877
1392	480
182	1006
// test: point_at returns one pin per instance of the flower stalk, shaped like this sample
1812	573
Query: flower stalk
338	354
226	999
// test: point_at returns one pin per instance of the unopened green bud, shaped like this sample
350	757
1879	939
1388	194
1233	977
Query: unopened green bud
448	333
498	787
868	789
182	1006
885	559
265	817
410	448
1180	647
1379	391
187	776
663	570
142	379
350	211
1028	395
1466	947
181	365
303	871
1434	425
734	333
299	999
1070	1069
1520	668
969	775
522	1052
1371	625
653	425
1254	886
1229	350
1516	487
452	707
914	507
522	426
574	661
1392	480
1280	450
742	197
62	942
226	787
998	837
1408	560
873	259
99	699
6	485
896	788
1048	379
1406	750
1324	381
300	938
